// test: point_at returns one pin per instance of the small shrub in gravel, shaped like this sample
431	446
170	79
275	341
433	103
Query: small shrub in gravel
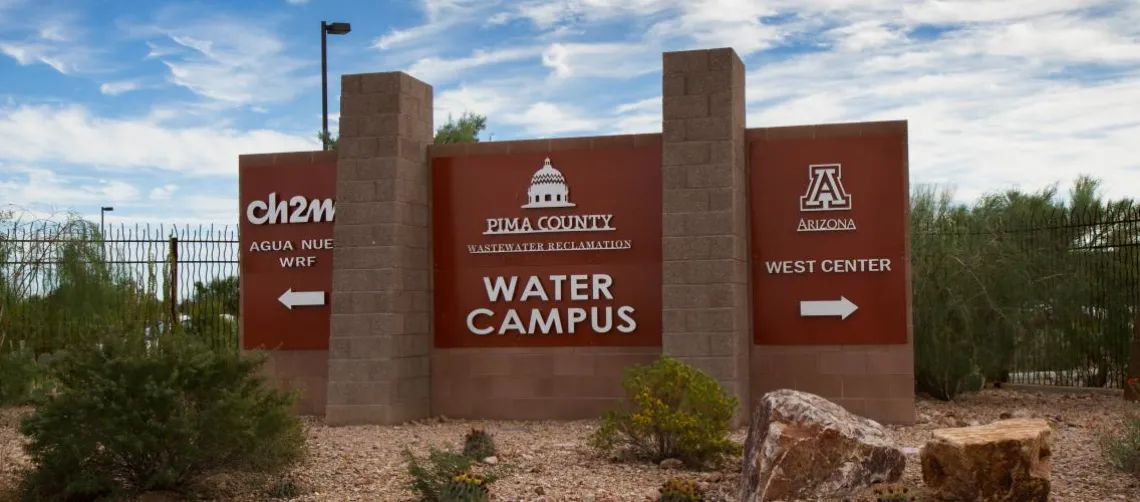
673	410
1122	446
478	444
127	418
466	488
442	473
681	490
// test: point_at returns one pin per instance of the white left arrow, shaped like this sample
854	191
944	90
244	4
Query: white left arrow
828	308
292	298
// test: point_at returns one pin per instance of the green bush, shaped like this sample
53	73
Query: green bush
681	490
1122	445
673	411
478	444
466	488
445	474
18	373
127	419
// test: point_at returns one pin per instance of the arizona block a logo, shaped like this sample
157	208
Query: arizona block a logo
825	192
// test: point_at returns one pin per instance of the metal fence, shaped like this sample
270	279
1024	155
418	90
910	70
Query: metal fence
1051	298
69	282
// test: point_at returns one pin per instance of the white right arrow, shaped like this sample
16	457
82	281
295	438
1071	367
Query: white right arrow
828	308
292	298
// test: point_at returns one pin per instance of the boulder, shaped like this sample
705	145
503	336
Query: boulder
802	446
1007	460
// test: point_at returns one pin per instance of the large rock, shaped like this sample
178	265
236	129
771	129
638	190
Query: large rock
802	446
1007	460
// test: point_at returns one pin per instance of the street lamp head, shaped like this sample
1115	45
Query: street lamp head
107	208
338	28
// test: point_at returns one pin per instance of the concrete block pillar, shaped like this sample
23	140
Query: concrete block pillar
379	350
705	245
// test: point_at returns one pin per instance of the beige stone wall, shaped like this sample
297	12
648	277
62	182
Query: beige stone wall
561	383
705	244
381	302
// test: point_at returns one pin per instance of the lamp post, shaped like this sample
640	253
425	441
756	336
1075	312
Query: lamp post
327	28
102	211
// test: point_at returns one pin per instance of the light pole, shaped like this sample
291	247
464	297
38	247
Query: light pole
102	211
327	28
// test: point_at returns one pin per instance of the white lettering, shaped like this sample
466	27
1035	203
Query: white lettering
511	321
471	322
857	265
550	224
297	261
836	266
533	288
790	266
558	286
576	315
277	212
263	246
826	225
553	322
540	325
551	246
602	283
626	313
609	317
317	244
500	289
578	286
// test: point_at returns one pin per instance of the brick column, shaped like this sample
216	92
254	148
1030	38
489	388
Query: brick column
381	331
705	245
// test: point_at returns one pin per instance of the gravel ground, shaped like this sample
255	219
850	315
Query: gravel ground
549	460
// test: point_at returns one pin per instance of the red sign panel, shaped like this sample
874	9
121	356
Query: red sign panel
829	242
548	249
286	238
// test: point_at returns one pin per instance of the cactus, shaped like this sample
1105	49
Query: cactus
466	487
478	444
681	490
893	494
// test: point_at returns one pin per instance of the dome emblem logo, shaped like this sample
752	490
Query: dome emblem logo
547	189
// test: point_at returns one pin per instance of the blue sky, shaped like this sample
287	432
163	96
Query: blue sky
146	105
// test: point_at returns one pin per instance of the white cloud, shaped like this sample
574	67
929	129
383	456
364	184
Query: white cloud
52	39
163	192
234	61
40	186
116	88
597	60
546	119
71	135
439	70
441	15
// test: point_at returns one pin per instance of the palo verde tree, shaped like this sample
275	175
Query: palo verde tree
464	130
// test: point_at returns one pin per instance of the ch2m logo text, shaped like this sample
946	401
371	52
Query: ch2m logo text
297	209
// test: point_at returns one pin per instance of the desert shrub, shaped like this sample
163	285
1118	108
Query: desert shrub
466	488
673	410
1122	445
681	490
285	488
126	418
18	372
429	476
478	444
